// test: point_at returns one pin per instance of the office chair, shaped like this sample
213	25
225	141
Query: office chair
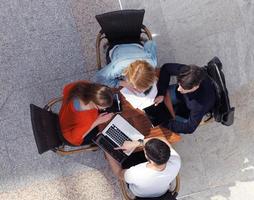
47	133
120	27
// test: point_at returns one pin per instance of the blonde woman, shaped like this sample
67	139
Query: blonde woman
138	77
132	66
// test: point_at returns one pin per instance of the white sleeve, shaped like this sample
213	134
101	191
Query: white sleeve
129	175
174	159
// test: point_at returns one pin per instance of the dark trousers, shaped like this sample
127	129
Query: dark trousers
134	159
88	138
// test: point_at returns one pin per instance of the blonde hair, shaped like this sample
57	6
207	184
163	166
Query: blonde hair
140	74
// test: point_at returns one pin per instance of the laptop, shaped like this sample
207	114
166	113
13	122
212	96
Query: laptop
158	114
114	135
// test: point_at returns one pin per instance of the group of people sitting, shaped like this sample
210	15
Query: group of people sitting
134	66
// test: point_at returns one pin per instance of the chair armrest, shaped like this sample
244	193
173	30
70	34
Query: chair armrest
52	102
147	32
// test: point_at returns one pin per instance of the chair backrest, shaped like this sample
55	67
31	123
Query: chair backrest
46	128
123	26
171	194
222	111
167	196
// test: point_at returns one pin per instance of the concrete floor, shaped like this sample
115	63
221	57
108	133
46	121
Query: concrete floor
48	43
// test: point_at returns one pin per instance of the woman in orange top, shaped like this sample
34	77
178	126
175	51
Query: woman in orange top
79	112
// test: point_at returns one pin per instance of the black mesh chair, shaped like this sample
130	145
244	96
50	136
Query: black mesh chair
47	133
171	194
120	27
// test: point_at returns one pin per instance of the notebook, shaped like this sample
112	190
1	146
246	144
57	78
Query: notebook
140	100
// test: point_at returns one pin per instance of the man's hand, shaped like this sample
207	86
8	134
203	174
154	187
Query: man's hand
103	117
158	100
128	146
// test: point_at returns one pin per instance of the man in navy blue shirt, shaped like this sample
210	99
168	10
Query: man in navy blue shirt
192	97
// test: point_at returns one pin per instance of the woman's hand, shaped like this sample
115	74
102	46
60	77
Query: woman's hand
158	100
102	118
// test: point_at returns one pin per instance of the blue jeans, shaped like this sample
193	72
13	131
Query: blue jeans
175	101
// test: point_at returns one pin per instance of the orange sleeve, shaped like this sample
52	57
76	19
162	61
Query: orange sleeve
74	136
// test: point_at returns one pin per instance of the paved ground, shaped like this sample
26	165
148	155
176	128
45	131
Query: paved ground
48	43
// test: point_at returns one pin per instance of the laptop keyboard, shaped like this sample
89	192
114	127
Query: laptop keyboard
109	146
117	135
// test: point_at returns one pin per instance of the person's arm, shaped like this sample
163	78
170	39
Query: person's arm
169	105
102	118
129	146
167	70
189	126
151	49
109	75
132	145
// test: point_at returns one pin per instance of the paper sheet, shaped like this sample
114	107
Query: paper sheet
140	100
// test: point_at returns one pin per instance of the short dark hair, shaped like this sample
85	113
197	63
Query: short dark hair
157	151
190	76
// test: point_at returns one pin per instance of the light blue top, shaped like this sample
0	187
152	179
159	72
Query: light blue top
121	56
76	104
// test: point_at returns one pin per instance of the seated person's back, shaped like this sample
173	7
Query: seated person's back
122	56
152	178
79	111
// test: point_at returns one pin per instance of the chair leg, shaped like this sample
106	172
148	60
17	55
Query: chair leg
207	120
177	187
123	187
61	151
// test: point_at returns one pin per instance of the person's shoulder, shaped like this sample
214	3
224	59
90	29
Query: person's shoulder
135	171
174	160
138	167
173	152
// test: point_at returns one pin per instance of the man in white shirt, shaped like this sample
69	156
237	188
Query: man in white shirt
151	178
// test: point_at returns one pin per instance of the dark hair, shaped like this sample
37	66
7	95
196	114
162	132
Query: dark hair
157	151
190	76
99	94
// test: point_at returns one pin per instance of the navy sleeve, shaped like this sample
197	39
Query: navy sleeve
167	70
190	125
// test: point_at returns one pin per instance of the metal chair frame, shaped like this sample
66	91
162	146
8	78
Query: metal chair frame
101	36
124	189
62	150
208	118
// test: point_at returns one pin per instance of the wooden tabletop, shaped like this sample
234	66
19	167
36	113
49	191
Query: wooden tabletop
139	120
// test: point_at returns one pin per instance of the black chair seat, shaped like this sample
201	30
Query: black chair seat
167	196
